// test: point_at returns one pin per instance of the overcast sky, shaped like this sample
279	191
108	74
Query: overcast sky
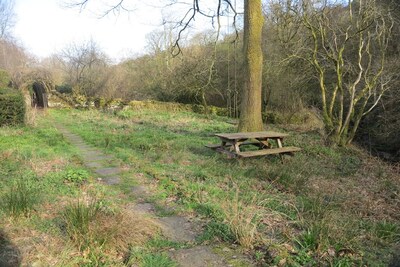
45	27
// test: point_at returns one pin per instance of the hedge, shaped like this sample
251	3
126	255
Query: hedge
12	107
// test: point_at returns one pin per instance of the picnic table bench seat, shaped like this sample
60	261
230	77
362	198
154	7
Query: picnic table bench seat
231	144
216	146
270	151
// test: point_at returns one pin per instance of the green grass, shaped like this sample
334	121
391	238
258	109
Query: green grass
324	206
159	243
388	231
216	231
154	253
41	176
20	198
144	258
168	148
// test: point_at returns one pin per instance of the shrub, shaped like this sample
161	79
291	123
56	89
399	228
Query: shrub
272	117
12	107
64	89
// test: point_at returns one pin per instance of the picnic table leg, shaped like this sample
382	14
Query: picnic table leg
223	144
226	145
279	142
236	145
226	148
264	143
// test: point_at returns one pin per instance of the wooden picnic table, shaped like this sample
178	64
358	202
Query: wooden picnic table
231	144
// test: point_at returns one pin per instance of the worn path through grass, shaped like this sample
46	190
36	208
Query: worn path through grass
176	228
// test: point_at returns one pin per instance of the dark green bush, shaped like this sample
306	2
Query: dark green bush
12	107
64	89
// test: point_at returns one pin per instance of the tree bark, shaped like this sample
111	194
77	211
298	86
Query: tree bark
250	109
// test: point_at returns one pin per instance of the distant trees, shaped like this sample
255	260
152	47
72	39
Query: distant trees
189	78
325	54
86	68
250	115
7	17
12	57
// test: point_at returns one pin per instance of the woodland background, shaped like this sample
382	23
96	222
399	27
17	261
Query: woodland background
208	70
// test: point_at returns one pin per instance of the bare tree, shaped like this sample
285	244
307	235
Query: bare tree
347	51
12	56
7	17
159	41
85	67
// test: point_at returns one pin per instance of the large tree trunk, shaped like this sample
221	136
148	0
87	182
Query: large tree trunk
250	110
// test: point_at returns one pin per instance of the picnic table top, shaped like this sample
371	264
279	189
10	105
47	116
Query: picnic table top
248	135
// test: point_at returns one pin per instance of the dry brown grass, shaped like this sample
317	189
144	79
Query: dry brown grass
111	233
373	191
124	229
31	115
42	168
303	120
243	220
35	246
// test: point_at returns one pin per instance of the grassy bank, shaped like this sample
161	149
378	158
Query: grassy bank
324	206
330	206
53	212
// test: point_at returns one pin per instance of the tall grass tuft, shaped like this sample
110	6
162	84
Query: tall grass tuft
91	227
21	198
77	217
243	221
